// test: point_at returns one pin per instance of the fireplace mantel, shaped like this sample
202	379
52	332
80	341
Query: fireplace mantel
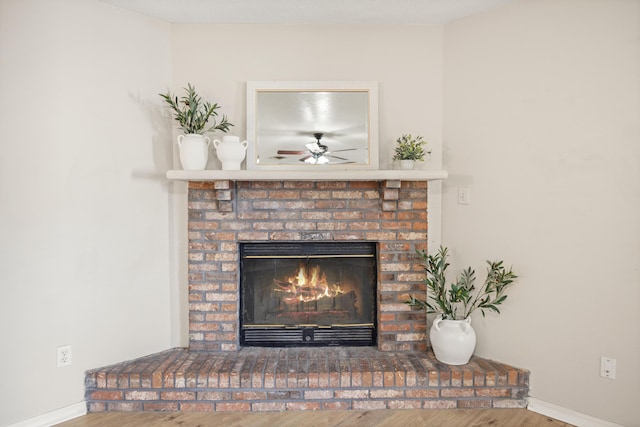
307	175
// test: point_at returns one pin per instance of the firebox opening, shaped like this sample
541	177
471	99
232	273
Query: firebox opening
308	293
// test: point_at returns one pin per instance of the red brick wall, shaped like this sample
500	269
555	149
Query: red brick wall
223	213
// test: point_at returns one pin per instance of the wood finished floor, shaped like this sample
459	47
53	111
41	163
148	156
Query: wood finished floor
386	418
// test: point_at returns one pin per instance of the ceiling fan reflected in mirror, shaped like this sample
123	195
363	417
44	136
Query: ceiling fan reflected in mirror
317	153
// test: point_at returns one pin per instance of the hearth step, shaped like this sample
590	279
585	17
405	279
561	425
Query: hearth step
308	378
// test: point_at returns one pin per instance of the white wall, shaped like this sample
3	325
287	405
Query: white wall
540	112
405	60
84	224
542	121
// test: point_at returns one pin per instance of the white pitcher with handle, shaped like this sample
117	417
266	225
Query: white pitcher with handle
453	341
194	151
230	151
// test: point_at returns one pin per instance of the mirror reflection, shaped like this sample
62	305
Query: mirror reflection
309	127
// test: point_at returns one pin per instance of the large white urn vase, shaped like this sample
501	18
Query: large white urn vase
194	151
230	151
453	341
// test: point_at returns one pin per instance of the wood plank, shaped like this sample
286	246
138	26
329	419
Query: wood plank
383	418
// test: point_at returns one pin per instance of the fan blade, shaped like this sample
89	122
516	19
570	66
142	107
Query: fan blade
291	152
306	157
344	149
336	157
327	133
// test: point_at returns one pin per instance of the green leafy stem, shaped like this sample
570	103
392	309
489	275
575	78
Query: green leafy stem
458	300
193	114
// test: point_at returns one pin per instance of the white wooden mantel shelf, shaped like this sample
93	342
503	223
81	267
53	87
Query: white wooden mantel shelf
307	175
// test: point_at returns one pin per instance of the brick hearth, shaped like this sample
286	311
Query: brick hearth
294	379
216	374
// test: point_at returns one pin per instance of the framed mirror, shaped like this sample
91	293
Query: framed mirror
302	125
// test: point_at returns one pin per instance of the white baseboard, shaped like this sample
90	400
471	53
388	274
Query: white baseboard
567	415
54	417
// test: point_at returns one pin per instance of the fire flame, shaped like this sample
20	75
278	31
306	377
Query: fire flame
307	285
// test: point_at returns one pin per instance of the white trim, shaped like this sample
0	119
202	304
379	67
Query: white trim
55	417
310	175
434	216
567	415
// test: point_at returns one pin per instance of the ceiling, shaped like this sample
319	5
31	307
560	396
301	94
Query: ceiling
309	11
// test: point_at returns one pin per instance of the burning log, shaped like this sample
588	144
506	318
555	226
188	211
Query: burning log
282	286
306	286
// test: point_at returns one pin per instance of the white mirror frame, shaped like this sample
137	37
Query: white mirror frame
255	87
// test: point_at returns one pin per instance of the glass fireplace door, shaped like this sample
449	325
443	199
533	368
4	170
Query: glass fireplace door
308	293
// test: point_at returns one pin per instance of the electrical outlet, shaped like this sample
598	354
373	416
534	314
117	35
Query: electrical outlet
608	368
64	356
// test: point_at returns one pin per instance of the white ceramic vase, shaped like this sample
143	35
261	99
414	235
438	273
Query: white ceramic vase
453	341
230	151
194	151
407	164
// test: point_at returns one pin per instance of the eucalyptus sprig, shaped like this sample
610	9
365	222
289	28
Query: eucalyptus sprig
410	148
193	114
447	300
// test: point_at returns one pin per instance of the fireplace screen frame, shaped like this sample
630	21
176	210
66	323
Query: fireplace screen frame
309	334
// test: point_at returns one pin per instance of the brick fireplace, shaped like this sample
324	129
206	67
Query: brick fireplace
391	214
216	373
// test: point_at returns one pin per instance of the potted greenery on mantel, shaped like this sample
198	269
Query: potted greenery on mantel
409	150
193	114
452	337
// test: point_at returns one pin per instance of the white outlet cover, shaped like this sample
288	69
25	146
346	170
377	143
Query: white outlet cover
63	356
608	368
464	195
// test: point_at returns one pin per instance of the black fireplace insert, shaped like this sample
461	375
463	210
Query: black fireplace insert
308	294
